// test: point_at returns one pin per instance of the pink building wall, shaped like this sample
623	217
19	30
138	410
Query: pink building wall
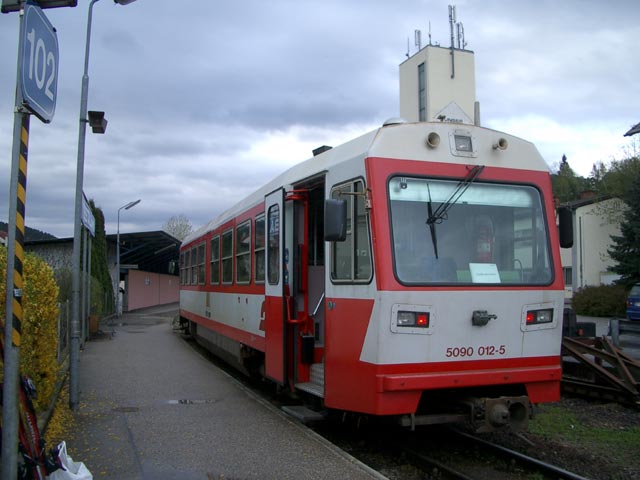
146	289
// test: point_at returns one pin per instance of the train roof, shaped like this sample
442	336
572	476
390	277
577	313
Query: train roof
397	140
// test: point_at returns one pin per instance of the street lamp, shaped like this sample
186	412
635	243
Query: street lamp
74	350
124	207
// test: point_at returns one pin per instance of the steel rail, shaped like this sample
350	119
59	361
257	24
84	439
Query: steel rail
546	467
423	459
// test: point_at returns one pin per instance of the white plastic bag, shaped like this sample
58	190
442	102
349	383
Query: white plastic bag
70	470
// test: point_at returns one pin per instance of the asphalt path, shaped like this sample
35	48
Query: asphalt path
151	407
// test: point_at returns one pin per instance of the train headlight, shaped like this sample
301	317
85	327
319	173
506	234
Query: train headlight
409	319
536	317
413	319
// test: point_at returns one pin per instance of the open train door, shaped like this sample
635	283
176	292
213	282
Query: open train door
275	313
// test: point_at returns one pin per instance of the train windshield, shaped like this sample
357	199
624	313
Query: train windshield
451	232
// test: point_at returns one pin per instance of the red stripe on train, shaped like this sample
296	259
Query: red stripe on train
244	337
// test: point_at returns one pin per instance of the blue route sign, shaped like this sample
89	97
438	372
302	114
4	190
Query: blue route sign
39	60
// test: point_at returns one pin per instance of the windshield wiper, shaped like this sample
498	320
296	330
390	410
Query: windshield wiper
432	224
441	212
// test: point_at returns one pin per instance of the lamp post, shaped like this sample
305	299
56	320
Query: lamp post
124	207
74	351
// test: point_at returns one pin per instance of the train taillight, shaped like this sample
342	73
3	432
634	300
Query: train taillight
413	319
536	317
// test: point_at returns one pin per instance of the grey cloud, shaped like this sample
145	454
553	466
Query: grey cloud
189	91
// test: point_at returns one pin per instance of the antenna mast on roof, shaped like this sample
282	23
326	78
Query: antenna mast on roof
460	32
452	21
418	39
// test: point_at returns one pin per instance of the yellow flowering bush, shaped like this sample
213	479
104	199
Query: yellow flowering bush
39	342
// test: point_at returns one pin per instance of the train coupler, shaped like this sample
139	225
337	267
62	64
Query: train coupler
490	414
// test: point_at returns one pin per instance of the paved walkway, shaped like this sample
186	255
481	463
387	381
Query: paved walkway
153	408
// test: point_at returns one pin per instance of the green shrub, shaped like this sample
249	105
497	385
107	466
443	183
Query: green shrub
601	301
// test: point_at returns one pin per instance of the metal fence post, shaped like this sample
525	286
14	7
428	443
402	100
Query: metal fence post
614	326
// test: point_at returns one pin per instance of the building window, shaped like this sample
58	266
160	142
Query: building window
227	257
243	252
422	93
351	259
258	245
214	274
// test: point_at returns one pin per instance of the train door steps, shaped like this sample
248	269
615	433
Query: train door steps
315	385
312	388
303	414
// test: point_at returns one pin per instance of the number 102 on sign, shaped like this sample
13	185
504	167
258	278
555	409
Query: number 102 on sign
39	57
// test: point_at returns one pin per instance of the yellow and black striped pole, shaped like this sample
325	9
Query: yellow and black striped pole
14	294
18	257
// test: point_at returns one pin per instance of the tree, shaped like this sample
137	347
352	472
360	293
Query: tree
625	249
614	180
566	185
179	226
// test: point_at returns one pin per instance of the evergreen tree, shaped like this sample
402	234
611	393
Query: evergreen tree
566	185
625	249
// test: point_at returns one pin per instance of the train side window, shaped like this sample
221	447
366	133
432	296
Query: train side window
214	275
181	268
201	260
351	259
227	257
243	252
194	266
187	267
273	245
258	254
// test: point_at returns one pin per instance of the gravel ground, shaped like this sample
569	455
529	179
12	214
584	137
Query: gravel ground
597	440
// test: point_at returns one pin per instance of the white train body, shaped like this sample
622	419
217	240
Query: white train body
447	285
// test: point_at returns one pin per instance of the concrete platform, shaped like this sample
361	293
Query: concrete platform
153	408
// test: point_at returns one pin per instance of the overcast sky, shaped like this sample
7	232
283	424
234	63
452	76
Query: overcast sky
207	100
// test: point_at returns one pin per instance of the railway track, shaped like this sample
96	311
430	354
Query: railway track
518	464
442	453
430	453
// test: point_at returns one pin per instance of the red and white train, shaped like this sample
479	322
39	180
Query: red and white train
412	272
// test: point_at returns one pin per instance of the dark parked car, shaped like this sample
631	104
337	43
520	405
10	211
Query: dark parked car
633	303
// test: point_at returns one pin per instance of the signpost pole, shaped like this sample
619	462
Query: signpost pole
36	88
15	257
14	316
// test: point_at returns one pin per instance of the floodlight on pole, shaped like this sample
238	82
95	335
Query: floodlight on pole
17	5
74	347
127	206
